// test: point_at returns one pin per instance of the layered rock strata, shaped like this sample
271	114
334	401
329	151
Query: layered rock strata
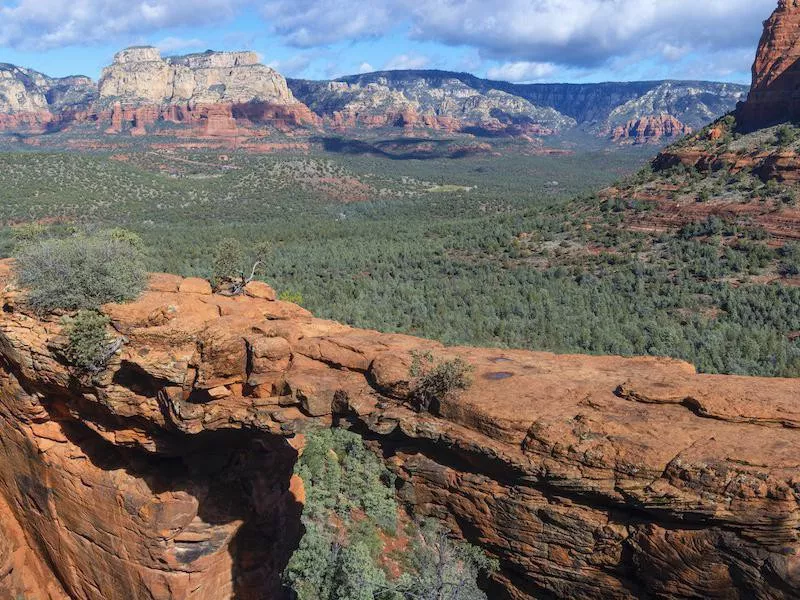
230	95
31	101
168	475
775	94
217	92
428	103
650	130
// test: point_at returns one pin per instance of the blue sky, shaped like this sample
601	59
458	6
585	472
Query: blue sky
515	40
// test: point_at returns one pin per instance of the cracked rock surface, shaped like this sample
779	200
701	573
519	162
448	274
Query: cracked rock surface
169	475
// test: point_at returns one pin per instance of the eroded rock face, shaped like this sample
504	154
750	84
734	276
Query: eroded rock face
140	74
652	129
776	71
433	102
216	92
31	101
230	95
588	477
458	101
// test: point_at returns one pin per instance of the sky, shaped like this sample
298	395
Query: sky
513	40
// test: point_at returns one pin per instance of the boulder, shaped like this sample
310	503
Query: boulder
195	285
259	289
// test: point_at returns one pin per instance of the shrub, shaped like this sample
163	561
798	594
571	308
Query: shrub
291	296
443	567
28	233
228	260
123	235
89	347
80	272
789	265
435	381
232	269
786	135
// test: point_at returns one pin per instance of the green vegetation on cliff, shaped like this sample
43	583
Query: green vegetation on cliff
80	271
357	543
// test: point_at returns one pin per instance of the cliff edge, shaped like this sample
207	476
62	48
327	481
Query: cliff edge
169	474
775	93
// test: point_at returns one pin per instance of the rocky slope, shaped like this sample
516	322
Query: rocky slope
216	91
141	75
694	104
410	99
169	474
600	108
603	106
29	99
776	77
646	130
740	169
232	95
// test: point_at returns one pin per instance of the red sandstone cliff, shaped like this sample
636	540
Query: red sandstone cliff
168	476
775	92
652	129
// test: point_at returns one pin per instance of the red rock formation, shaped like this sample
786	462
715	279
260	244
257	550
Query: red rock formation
26	122
168	475
652	129
775	92
208	120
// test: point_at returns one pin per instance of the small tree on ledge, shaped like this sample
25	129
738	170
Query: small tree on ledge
231	267
433	381
89	346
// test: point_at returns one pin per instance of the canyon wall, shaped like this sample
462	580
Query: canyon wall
433	102
650	130
775	93
169	474
233	95
217	93
32	101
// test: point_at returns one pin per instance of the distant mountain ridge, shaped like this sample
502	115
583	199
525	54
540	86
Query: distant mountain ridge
600	107
232	94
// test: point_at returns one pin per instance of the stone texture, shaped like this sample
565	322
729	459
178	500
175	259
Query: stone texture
420	101
213	92
140	74
259	289
195	285
32	101
774	96
651	129
229	96
169	474
458	101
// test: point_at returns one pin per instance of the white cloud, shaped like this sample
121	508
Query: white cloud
174	44
574	33
43	24
365	67
674	53
588	32
407	61
292	66
522	71
571	34
308	23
